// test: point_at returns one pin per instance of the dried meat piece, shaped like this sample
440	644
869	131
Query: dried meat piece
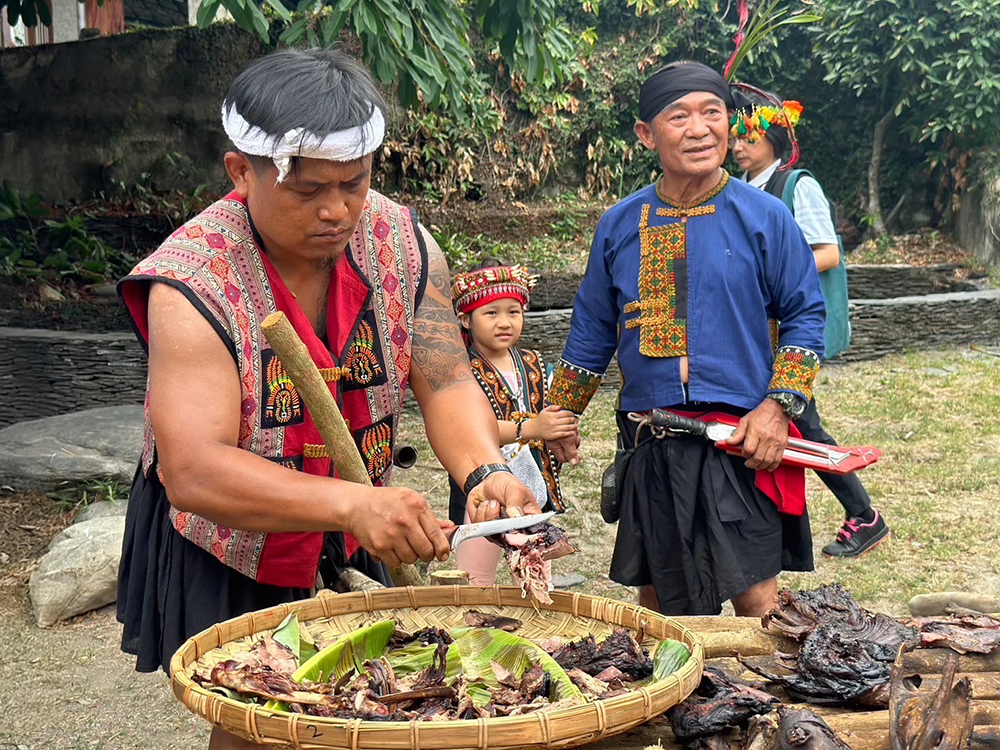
847	652
528	553
476	619
427	636
249	679
978	634
798	613
718	702
619	650
803	730
938	719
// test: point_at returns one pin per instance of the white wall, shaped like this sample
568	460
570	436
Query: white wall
65	20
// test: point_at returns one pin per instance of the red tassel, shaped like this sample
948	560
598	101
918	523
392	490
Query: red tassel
740	36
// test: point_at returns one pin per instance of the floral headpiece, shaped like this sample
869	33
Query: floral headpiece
752	122
477	288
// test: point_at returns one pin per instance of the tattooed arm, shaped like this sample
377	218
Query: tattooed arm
460	423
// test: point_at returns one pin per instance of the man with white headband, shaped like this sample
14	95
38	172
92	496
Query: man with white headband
235	506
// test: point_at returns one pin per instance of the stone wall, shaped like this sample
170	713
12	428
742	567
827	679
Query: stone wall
878	326
75	116
44	373
556	290
52	372
977	228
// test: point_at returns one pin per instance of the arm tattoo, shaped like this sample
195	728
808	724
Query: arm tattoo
438	352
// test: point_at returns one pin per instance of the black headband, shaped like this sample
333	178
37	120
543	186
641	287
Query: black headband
669	84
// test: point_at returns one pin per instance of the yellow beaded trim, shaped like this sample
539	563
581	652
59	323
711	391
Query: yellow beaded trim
683	213
697	201
333	374
311	450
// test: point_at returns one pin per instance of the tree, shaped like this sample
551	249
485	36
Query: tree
932	65
421	46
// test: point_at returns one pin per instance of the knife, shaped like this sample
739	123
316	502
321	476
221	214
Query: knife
801	453
498	526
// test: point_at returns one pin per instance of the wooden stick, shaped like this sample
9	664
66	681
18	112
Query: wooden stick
449	578
295	360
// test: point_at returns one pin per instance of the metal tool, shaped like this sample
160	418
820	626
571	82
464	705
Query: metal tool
499	526
803	453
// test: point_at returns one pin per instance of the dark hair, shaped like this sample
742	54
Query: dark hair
323	91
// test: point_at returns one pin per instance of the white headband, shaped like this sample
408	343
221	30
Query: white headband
344	145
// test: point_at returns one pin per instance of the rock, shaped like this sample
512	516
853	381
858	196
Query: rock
4	558
94	444
102	509
49	294
79	572
568	581
937	372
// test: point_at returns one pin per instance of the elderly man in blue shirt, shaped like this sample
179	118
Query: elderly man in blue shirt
684	279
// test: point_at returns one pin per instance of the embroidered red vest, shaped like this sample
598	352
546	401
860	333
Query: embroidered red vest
375	288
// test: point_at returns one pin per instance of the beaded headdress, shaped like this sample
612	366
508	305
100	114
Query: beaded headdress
477	288
752	121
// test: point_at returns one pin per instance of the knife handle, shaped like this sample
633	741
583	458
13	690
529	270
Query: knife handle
677	423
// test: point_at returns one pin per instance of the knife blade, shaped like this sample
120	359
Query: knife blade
498	526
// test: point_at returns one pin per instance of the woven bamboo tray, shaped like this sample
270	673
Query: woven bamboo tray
570	616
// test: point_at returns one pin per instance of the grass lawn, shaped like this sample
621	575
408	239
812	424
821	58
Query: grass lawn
936	416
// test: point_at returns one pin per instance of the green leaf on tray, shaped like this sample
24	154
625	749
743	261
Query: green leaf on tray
669	656
344	654
288	634
479	647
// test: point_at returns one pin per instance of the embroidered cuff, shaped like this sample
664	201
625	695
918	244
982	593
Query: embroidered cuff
794	371
573	387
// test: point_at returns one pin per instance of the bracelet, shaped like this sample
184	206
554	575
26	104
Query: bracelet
517	434
478	475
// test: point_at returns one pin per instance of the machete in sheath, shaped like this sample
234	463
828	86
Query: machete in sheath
803	453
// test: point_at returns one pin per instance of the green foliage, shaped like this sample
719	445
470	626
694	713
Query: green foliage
421	46
76	495
936	62
53	249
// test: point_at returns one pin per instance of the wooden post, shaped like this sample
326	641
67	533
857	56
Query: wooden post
295	360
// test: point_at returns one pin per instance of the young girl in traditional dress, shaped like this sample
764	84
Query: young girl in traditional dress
490	303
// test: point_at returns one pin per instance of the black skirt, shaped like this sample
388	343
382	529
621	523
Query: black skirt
694	526
169	589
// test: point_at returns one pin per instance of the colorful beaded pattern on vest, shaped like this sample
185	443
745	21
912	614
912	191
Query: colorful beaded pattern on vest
794	370
215	256
529	364
663	276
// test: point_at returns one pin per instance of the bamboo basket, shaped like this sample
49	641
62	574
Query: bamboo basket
570	616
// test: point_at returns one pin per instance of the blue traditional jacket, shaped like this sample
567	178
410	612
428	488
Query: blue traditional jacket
706	280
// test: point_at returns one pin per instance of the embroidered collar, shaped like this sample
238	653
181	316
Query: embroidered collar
697	201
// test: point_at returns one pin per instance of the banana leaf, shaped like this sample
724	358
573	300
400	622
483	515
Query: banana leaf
480	646
288	634
669	656
417	657
346	653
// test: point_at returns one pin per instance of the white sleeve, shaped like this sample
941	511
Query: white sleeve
812	212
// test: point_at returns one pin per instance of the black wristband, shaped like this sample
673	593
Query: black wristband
477	476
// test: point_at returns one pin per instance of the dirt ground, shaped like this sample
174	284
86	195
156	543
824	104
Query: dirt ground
934	414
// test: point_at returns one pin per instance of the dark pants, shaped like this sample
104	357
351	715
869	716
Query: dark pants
847	488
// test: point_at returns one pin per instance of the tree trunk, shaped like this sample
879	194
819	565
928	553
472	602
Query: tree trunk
874	170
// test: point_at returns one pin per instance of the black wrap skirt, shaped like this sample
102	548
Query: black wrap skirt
694	526
169	589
